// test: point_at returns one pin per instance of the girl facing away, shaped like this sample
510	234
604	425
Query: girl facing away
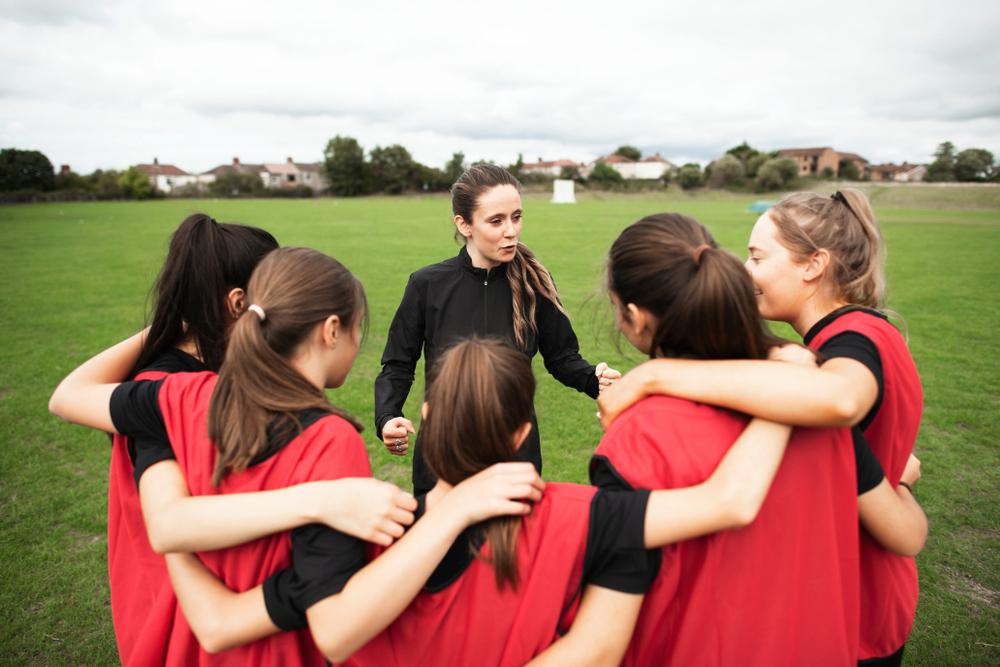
817	263
263	424
785	590
495	287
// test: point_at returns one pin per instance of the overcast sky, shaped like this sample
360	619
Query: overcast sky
108	84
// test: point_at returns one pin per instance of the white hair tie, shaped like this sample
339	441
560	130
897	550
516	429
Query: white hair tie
257	310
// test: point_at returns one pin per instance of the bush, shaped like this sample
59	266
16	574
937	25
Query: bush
236	184
135	184
848	170
689	176
25	170
603	176
294	192
755	163
974	164
776	174
629	151
569	173
725	172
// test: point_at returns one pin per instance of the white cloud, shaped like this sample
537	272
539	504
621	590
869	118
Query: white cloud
110	84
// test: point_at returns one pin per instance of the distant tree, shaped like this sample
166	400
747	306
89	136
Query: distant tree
754	163
104	184
974	164
629	151
725	172
744	152
571	173
943	166
70	180
689	176
344	163
25	170
517	167
848	170
776	173
603	175
454	167
392	170
233	183
135	184
828	172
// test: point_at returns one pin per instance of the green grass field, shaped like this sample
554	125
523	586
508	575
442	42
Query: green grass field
74	278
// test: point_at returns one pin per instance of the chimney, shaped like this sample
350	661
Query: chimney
156	161
290	161
236	162
64	169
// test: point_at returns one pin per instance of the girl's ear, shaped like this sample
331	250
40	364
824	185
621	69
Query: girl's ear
520	434
330	331
464	228
423	410
638	318
816	265
236	302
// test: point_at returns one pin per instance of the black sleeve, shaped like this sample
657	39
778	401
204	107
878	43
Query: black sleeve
604	475
323	560
616	556
869	469
135	412
403	347
856	346
561	351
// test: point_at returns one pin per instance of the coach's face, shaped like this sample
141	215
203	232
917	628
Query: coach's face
492	234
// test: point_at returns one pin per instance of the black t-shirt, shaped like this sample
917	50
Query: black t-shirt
615	558
852	345
603	473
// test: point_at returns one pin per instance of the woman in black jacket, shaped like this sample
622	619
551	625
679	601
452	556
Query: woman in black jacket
494	287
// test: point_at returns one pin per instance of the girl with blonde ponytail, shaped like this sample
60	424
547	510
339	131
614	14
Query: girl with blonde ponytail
818	263
494	287
261	425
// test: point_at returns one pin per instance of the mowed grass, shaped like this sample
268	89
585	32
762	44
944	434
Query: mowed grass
74	278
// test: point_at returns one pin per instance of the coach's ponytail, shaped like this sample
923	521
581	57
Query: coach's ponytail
205	261
527	276
258	391
481	392
700	296
844	226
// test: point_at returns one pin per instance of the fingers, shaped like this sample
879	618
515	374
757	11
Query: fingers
611	374
406	502
401	517
600	368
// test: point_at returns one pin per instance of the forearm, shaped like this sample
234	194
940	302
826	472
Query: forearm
894	518
206	523
219	618
83	396
774	390
377	594
730	498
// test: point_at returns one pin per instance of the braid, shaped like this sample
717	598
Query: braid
527	275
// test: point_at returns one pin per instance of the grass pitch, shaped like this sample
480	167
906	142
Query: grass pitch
74	278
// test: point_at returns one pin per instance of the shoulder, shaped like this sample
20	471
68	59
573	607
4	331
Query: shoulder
171	360
330	447
433	272
189	384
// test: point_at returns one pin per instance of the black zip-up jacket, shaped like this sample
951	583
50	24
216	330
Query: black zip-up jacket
453	300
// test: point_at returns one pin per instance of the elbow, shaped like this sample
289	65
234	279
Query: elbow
56	403
741	507
212	636
160	540
915	543
845	411
334	645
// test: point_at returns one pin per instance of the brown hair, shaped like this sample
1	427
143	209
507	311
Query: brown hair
258	390
481	392
527	276
701	296
844	226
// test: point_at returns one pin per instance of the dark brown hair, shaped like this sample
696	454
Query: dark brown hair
701	296
481	391
297	288
527	276
206	260
844	226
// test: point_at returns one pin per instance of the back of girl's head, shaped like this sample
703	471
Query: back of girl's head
295	289
206	260
473	183
481	392
845	226
701	296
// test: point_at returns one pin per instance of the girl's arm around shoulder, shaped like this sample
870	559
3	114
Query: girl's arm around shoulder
892	515
600	633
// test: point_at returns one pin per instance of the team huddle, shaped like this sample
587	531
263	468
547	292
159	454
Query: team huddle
750	502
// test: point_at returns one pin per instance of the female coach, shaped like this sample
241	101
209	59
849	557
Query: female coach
494	287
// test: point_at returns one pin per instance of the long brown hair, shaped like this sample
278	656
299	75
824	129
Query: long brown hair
843	225
481	392
296	288
206	259
527	276
701	296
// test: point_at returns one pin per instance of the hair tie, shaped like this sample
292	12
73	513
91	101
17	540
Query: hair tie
257	310
696	255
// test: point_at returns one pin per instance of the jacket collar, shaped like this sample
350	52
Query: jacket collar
466	261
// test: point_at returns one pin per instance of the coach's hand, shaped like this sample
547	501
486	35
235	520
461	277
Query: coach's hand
396	435
606	377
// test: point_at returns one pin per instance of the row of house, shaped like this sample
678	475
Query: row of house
827	161
288	174
651	167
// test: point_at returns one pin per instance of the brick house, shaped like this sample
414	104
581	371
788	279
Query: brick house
900	173
548	168
813	161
